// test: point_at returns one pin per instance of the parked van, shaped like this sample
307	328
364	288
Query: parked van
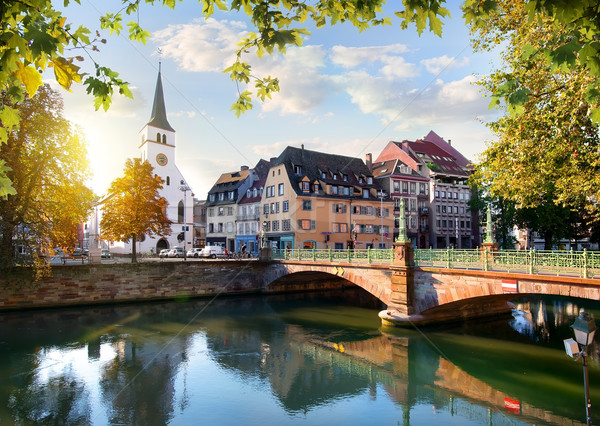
213	252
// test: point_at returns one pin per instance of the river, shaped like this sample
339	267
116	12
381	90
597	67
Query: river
310	359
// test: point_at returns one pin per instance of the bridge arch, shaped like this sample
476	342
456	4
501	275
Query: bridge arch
373	280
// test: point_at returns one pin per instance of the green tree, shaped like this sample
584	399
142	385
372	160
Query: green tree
133	207
548	142
47	163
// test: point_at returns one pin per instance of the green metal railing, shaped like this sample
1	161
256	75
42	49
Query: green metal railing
583	264
368	256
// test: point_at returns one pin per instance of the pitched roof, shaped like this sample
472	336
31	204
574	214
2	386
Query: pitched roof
319	167
394	167
446	146
159	112
252	199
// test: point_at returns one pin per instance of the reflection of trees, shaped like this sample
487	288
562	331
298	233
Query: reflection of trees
138	384
60	400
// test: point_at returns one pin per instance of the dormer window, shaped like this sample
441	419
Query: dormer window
255	192
305	187
248	193
361	180
298	170
316	188
370	180
335	177
345	178
323	175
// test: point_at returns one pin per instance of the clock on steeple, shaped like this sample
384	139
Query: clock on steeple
162	159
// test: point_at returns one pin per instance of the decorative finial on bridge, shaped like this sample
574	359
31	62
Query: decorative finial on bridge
402	237
489	237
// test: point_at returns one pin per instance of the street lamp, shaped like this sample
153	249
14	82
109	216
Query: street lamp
185	189
381	196
584	328
262	235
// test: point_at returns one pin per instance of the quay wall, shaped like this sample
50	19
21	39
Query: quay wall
88	284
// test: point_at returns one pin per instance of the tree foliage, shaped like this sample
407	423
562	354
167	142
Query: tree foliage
47	162
548	143
133	207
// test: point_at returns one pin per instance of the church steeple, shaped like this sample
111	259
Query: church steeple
159	112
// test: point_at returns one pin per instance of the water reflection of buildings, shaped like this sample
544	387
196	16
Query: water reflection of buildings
144	356
540	318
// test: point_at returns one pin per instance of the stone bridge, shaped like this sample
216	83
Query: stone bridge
428	294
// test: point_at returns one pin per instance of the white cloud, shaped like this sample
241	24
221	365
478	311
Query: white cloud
397	67
351	57
203	45
303	87
437	65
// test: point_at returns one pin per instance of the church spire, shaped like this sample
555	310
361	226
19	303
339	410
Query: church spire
159	112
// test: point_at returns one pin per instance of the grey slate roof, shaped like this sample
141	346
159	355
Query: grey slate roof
159	112
314	163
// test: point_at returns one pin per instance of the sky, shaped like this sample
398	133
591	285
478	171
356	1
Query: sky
342	92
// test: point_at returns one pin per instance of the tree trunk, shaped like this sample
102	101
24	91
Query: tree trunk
7	249
548	240
133	250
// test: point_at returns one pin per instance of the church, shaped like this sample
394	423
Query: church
157	146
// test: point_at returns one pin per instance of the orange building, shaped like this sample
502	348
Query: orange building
317	200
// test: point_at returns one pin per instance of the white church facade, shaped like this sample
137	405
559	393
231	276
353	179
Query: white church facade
157	146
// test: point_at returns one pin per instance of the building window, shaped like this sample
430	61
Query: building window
277	207
280	189
275	225
298	170
221	196
306	205
231	195
316	188
305	187
339	208
286	206
413	188
220	227
334	190
272	207
422	188
340	227
345	178
164	139
267	226
211	228
229	211
158	137
180	212
221	211
404	187
396	186
306	224
168	181
285	225
266	209
365	193
211	212
323	175
211	197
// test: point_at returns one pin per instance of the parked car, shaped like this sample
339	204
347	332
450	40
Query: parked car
213	252
175	252
79	252
105	254
164	253
195	252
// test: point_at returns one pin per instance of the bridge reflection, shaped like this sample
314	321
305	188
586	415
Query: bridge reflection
142	359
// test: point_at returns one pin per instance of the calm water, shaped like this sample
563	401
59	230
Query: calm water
289	360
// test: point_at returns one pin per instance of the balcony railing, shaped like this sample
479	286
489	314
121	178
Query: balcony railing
583	264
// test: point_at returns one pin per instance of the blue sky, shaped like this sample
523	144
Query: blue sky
342	92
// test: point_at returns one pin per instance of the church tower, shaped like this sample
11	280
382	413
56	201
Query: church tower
158	147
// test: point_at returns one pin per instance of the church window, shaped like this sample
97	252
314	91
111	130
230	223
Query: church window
180	212
164	139
168	180
158	137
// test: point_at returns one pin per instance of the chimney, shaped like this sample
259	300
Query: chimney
369	161
449	141
244	168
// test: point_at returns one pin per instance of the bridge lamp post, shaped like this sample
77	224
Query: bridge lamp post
381	196
185	188
584	328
